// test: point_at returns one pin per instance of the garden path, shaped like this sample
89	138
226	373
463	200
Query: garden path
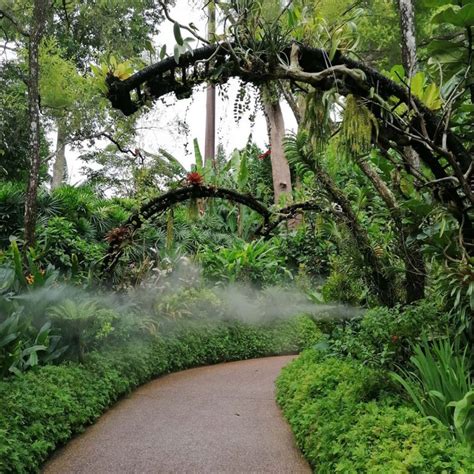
215	419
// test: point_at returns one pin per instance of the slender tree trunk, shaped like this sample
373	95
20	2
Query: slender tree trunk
409	60
210	138
36	34
407	28
280	168
59	167
415	272
381	284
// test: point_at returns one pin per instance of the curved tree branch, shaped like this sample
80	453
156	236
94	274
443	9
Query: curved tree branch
120	236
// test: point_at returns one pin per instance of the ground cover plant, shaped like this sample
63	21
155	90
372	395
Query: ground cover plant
350	235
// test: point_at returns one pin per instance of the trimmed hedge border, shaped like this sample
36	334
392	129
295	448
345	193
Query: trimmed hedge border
43	408
345	420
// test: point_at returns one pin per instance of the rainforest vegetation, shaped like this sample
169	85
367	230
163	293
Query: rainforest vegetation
341	226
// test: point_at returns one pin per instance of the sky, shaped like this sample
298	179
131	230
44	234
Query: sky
158	129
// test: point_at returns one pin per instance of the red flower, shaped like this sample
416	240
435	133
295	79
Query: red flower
395	339
264	155
194	178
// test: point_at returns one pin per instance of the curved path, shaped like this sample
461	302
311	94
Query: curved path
215	419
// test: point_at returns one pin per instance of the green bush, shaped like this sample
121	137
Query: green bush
59	241
383	336
345	421
44	407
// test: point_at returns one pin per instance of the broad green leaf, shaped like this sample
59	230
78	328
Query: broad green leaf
177	33
417	84
457	16
431	97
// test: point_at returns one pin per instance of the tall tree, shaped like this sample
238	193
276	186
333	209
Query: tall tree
280	168
210	139
40	11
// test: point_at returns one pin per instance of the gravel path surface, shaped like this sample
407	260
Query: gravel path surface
214	419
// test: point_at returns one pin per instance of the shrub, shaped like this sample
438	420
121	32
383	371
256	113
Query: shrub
44	407
345	421
59	241
383	336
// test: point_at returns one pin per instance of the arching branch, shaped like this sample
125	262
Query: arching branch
288	213
120	236
421	129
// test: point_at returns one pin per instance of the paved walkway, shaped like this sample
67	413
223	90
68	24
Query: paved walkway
216	419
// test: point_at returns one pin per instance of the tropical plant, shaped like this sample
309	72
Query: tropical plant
257	262
82	324
439	379
20	349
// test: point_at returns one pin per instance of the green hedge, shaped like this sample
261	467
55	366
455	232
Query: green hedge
344	420
45	407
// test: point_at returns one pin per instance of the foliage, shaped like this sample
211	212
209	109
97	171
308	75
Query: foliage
14	130
358	127
22	349
439	378
345	282
82	324
59	242
456	283
344	421
383	336
32	421
256	262
464	417
311	246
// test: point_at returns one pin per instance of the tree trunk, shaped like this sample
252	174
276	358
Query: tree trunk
210	137
407	28
381	284
59	167
415	271
409	61
36	34
280	168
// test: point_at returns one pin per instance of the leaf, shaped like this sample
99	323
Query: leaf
243	174
457	16
163	52
177	53
198	156
177	33
432	97
417	84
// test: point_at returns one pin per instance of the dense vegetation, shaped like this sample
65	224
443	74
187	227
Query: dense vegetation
351	237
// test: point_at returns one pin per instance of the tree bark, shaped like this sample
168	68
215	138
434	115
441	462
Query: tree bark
36	34
210	134
280	168
59	167
415	270
407	29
